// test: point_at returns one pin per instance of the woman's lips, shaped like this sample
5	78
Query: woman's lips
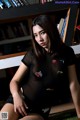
43	44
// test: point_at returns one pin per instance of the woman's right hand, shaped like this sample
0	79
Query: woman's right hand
19	104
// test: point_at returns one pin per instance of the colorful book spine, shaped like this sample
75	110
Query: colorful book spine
78	27
60	25
15	4
7	3
63	28
1	4
21	2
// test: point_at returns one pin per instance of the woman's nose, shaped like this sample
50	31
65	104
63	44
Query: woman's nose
40	38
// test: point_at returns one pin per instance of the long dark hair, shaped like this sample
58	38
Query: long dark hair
46	22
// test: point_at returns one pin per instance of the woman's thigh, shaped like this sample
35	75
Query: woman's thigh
32	117
9	108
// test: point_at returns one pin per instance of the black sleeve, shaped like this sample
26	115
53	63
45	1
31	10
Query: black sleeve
71	57
27	58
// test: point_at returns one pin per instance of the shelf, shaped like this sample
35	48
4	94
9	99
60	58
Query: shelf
30	10
12	60
14	40
76	49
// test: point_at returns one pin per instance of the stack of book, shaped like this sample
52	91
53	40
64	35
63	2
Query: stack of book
62	26
18	3
13	30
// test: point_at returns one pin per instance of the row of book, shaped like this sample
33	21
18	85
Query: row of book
62	26
44	1
15	47
17	3
14	30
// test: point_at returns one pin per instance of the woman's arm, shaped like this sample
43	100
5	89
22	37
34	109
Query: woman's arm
19	104
14	84
74	88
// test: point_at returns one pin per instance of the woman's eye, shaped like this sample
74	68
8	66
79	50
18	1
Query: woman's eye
42	32
35	35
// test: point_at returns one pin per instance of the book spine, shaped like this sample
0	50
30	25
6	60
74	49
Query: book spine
21	2
63	27
78	27
61	24
25	2
23	29
15	4
1	5
7	3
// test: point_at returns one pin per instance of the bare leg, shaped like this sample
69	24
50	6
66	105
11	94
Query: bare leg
32	117
8	107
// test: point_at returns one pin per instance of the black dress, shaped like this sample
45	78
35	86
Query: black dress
47	80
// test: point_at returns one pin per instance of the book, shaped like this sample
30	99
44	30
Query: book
78	27
17	2
25	2
7	3
2	35
1	5
32	1
43	1
21	2
10	31
4	32
66	25
14	3
60	24
63	27
23	27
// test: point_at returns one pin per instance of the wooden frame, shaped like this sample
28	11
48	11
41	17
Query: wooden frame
71	26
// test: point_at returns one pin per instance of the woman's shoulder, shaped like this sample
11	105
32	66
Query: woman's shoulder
68	54
66	49
28	57
29	53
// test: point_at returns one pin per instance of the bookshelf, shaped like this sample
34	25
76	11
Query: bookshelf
13	17
22	13
30	10
76	39
72	24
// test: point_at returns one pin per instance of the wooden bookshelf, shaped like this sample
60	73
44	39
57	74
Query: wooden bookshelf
30	10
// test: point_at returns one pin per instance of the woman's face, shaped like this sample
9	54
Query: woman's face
41	37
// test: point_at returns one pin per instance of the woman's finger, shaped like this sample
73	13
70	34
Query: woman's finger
23	111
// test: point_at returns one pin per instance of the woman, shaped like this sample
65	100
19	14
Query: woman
50	68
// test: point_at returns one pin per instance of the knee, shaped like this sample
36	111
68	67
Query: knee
32	117
8	112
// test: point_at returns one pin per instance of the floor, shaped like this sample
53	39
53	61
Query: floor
63	112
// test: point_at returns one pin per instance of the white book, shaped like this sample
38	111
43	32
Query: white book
60	24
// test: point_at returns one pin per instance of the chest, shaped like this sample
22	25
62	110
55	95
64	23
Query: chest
50	72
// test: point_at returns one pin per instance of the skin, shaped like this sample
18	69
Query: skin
19	106
41	37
